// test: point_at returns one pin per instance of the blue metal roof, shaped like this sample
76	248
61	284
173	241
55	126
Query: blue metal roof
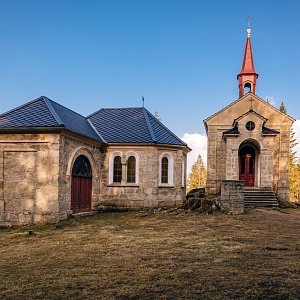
132	125
43	112
116	125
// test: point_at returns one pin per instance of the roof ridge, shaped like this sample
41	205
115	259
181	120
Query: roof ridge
112	108
95	129
52	110
65	107
149	125
92	114
21	106
238	99
166	128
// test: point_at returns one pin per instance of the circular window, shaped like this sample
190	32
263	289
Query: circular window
250	125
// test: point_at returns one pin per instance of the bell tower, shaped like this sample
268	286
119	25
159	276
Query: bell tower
247	77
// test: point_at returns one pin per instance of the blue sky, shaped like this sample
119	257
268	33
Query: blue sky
182	56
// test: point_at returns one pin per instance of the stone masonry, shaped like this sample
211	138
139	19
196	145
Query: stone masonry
147	192
272	151
232	196
36	172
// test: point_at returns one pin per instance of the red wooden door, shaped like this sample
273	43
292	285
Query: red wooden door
247	169
81	193
81	186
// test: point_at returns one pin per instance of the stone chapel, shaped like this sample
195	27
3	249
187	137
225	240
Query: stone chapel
249	139
55	162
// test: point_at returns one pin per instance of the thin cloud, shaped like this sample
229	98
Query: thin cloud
198	143
271	100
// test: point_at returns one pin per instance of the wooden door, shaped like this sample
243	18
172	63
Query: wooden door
247	168
81	186
81	194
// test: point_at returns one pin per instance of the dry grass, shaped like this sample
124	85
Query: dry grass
162	256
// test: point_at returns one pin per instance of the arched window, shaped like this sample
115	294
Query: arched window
247	88
164	170
117	173
82	167
131	167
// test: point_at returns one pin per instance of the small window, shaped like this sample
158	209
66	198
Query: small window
117	177
250	125
164	170
131	169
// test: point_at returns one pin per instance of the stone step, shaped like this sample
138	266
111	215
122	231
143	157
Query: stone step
259	197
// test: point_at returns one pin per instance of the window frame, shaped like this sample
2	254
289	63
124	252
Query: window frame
131	170
128	154
116	174
170	182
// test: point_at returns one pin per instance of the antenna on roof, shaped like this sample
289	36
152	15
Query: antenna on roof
143	99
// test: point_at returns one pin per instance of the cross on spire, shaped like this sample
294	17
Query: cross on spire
247	76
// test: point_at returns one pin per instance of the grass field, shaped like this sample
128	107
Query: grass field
157	256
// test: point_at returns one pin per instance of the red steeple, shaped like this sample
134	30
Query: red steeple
247	77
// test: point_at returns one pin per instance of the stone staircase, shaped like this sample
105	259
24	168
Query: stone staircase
259	197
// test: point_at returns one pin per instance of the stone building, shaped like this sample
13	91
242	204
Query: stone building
55	162
249	139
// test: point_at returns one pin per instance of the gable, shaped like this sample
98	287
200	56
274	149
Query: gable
243	105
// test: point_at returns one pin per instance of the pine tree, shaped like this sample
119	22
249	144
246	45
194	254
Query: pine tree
197	176
294	164
294	174
282	108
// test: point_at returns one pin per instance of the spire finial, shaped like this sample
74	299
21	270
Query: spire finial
143	99
248	29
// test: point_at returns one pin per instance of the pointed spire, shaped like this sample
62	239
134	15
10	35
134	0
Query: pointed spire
247	77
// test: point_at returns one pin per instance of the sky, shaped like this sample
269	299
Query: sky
181	56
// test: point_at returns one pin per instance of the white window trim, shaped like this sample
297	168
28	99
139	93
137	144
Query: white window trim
169	156
127	155
183	172
111	166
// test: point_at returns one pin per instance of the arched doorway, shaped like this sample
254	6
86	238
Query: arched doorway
248	154
81	187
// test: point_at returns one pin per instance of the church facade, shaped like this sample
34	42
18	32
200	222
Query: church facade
56	162
249	139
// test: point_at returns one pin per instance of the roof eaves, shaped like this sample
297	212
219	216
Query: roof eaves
247	113
149	125
269	131
20	106
52	110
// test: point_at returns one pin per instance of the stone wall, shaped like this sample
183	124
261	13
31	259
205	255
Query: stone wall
36	173
232	196
147	191
29	168
72	146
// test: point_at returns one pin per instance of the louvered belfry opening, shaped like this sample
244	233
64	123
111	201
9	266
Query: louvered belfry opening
81	187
